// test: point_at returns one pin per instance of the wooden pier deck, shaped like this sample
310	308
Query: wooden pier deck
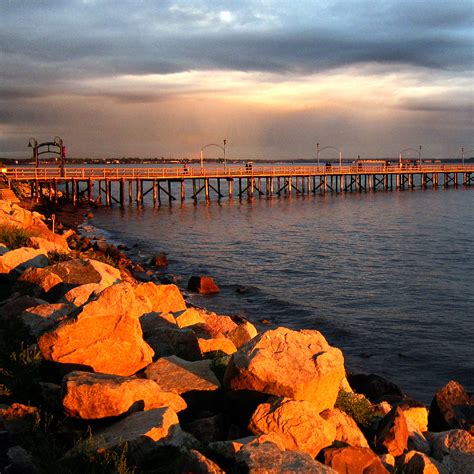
112	184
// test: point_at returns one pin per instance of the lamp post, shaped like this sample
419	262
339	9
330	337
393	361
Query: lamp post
462	155
317	152
340	158
225	162
33	143
58	141
419	155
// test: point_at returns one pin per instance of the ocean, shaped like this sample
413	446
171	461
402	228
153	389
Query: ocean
385	276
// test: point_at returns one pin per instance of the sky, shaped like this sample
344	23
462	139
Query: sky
155	78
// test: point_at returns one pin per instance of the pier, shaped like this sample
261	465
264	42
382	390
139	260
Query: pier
111	185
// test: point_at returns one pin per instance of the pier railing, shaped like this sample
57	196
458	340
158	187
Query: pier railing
48	172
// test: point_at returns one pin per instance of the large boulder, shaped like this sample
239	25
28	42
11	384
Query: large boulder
451	408
296	364
143	433
215	326
81	271
269	459
41	318
392	433
56	281
79	295
347	430
104	336
296	422
414	462
454	449
57	244
181	376
93	396
39	282
18	260
354	460
161	298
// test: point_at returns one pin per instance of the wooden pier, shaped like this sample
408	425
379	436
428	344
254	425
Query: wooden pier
118	185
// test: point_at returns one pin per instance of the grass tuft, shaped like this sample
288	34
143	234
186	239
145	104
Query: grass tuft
358	408
14	237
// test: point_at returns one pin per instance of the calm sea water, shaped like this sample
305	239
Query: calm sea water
385	276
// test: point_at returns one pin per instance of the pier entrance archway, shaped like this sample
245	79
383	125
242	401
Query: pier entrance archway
54	149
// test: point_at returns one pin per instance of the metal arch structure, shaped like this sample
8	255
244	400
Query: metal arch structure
319	150
216	145
56	147
400	156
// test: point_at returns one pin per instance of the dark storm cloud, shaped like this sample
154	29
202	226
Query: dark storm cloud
87	39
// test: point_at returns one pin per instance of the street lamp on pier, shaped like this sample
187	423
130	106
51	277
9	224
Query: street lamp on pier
317	152
33	143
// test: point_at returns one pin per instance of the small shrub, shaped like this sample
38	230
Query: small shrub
55	256
356	407
105	259
14	237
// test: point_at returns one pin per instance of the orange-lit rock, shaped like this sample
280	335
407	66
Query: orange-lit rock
392	433
52	244
177	375
190	317
243	333
414	462
79	295
451	408
39	319
296	364
267	458
204	285
105	336
161	298
419	416
354	460
21	259
211	345
416	439
144	432
297	423
454	449
217	325
91	396
347	430
39	282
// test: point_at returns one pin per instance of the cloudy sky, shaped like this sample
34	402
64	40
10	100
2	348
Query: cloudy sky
164	78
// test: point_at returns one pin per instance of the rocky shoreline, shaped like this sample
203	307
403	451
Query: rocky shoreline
105	367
